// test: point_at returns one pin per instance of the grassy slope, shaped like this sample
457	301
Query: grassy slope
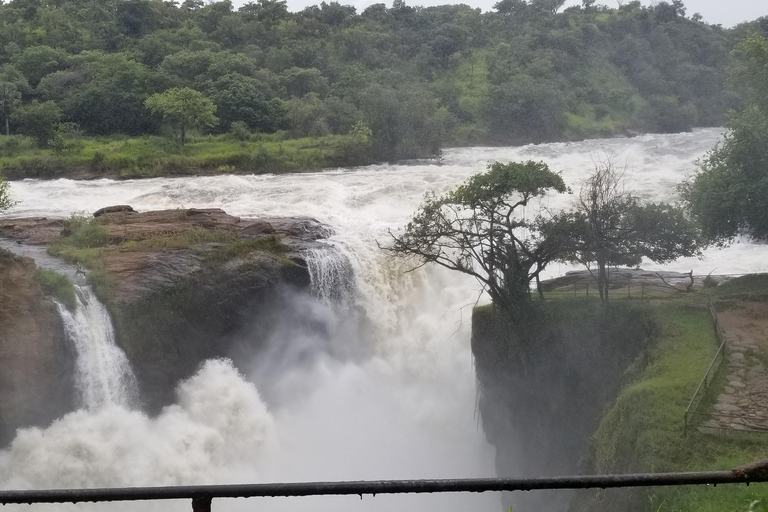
642	430
150	156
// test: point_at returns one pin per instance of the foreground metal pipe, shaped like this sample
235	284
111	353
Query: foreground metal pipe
203	494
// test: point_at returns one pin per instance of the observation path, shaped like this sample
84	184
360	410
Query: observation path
743	403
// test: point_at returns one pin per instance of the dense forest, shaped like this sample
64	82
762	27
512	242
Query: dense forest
388	82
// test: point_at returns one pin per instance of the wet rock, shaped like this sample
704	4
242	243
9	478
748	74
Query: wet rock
36	363
114	209
32	230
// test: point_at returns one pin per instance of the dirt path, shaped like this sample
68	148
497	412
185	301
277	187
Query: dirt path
743	403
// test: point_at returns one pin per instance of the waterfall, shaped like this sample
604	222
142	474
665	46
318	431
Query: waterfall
104	376
331	276
400	407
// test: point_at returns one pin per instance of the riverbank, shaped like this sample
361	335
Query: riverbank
152	156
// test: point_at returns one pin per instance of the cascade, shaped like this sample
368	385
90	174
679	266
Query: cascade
104	376
331	275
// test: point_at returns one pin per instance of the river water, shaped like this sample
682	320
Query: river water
406	409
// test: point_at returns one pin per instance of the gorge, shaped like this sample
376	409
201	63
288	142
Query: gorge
365	370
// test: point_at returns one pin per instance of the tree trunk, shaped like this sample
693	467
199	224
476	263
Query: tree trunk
538	287
602	280
183	135
7	127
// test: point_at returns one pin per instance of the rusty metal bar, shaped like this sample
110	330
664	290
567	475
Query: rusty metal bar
203	494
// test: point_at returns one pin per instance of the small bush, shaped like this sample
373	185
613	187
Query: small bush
239	131
85	233
58	286
709	282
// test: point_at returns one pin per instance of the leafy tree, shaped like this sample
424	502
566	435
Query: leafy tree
611	227
300	82
183	108
37	61
480	229
240	98
525	108
307	116
9	73
10	99
729	193
105	93
38	120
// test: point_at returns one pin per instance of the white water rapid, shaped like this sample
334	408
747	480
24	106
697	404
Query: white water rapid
401	408
104	376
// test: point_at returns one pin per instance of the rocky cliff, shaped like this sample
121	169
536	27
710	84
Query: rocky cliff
544	385
36	370
182	285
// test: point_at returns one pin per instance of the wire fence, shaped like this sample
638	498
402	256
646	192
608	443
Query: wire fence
692	417
631	289
717	422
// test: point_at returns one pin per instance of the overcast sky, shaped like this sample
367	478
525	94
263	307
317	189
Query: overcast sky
725	12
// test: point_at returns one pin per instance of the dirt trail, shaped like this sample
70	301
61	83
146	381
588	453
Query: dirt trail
743	403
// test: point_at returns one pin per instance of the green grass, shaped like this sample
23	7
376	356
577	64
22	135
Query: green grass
58	286
642	430
82	242
150	156
269	244
181	240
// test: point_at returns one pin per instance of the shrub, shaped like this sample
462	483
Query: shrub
85	233
58	286
239	131
12	145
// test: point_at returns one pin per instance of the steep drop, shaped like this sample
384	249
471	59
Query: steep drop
104	376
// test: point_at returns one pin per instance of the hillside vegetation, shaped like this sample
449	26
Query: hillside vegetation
332	86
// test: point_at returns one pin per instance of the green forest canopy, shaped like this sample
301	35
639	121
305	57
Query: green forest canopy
418	78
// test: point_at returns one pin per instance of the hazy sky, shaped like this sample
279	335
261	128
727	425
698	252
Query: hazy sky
726	12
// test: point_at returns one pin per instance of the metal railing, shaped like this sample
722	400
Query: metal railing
203	495
691	412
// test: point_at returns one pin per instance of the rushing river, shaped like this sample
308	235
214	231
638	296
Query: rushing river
405	410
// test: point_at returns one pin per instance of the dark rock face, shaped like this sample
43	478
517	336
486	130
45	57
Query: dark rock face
36	362
114	209
175	308
168	333
544	386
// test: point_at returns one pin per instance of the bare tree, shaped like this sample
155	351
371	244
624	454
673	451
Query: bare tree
611	227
